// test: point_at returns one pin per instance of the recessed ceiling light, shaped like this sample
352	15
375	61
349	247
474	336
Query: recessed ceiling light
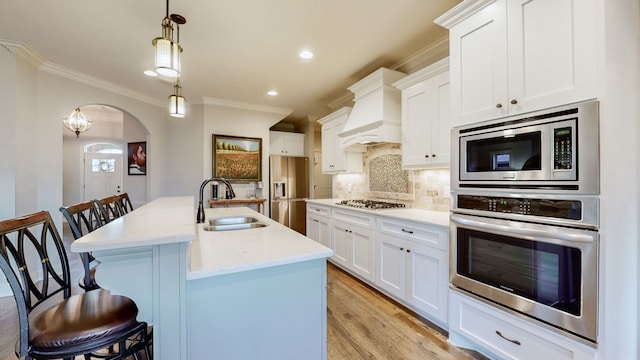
306	54
272	93
150	73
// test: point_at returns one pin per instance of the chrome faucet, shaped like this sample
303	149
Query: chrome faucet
200	216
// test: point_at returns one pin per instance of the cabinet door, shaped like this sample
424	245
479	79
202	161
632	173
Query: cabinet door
324	232
331	148
391	268
313	228
552	53
415	126
363	253
478	60
341	244
428	278
440	120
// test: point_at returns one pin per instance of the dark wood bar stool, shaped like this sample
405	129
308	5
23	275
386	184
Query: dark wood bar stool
110	208
54	324
125	203
83	218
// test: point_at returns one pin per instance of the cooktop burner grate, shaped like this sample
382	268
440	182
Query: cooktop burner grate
370	204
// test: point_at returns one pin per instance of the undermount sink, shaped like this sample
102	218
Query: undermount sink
233	223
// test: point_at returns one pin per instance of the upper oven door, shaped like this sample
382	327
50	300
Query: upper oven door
540	152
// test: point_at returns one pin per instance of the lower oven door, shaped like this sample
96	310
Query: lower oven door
546	272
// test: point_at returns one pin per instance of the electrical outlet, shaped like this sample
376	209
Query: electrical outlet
348	187
447	191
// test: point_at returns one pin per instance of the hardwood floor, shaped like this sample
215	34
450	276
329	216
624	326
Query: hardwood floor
362	324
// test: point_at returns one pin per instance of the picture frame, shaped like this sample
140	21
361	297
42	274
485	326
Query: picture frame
137	158
237	159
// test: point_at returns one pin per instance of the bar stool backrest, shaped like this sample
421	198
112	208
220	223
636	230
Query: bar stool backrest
110	208
33	259
125	203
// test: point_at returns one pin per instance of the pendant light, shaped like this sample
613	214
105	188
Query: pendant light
167	51
177	101
77	122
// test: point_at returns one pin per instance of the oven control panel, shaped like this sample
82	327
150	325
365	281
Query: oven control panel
559	209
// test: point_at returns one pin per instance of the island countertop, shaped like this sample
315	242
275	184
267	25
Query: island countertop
172	220
223	252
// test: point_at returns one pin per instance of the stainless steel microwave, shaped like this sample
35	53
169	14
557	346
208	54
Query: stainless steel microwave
555	150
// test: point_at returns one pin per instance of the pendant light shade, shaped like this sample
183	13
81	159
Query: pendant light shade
77	122
177	103
168	51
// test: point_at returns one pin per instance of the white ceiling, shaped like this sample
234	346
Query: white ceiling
233	50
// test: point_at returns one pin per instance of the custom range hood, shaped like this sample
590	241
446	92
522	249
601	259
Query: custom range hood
376	116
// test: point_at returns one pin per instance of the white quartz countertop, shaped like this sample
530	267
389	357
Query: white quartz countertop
223	252
210	253
428	217
162	221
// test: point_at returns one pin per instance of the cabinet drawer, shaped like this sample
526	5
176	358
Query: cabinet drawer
318	210
354	218
424	234
507	336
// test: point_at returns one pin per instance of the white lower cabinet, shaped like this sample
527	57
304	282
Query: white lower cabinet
413	266
319	224
500	335
353	243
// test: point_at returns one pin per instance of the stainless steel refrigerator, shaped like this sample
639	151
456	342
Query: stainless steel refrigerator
289	188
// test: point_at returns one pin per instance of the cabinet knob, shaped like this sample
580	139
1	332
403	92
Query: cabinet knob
506	338
401	249
514	101
498	105
426	156
407	231
433	155
408	250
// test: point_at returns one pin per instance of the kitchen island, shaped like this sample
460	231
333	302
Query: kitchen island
239	294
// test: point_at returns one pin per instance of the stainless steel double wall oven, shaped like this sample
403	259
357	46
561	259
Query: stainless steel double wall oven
524	216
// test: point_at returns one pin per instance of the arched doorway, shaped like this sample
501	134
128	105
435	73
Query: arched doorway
94	164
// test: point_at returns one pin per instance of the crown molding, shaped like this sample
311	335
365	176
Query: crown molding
23	51
99	83
461	12
246	106
436	51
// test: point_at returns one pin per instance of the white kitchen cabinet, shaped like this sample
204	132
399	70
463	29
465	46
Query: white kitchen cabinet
319	224
286	143
334	159
500	335
516	56
425	117
353	240
413	266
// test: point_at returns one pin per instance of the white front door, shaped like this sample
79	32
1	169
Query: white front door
102	175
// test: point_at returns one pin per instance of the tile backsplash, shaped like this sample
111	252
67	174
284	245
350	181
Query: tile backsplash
383	179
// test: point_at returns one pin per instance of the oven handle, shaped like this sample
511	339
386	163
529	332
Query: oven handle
531	233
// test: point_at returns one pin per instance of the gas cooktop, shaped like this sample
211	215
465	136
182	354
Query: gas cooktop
370	204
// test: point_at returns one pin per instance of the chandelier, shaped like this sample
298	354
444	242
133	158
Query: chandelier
177	101
77	122
167	51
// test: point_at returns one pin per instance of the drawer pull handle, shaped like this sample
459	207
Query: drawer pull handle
506	338
407	231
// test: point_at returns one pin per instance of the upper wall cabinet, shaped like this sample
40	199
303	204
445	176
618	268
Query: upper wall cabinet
516	56
425	117
334	159
286	143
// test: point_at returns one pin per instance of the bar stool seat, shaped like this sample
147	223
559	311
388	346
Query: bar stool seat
91	320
